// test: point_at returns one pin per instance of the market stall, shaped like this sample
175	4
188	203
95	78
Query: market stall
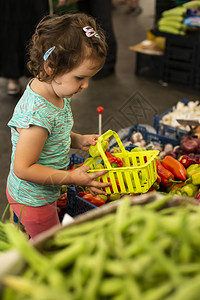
140	241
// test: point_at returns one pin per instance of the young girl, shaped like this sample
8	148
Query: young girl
65	52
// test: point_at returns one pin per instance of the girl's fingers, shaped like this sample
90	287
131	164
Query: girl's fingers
101	184
85	168
99	173
93	190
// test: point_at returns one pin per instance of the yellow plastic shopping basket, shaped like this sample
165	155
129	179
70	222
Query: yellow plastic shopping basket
137	174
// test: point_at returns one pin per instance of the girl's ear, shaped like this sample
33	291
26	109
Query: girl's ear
48	69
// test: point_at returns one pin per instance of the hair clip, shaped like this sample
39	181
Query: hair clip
89	32
48	52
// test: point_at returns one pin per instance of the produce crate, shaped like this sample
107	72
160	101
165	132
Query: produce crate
181	75
169	131
152	137
181	57
75	160
149	65
75	204
148	137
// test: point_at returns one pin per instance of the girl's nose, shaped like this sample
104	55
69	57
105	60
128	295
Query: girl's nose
84	84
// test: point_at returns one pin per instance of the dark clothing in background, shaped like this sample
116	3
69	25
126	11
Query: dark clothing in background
101	10
18	21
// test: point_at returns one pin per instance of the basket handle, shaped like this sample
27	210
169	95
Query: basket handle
104	137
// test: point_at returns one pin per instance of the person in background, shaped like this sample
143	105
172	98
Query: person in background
133	7
18	20
66	51
101	10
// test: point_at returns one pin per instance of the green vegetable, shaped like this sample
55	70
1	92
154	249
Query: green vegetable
191	4
144	252
189	190
192	169
174	24
4	243
195	177
170	29
177	11
93	150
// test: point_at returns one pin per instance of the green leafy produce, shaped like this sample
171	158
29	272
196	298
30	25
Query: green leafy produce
140	252
4	243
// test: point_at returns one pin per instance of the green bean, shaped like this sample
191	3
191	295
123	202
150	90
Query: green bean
120	224
139	253
111	286
159	292
185	250
145	237
67	240
189	268
189	289
136	267
93	284
132	289
85	227
122	214
81	273
37	292
66	256
36	260
167	264
155	205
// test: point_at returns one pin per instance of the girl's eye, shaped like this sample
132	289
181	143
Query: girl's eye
79	78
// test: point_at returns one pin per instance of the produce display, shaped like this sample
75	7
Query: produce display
138	252
173	166
185	111
172	20
128	249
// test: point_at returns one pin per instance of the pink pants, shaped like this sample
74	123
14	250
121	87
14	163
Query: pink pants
35	219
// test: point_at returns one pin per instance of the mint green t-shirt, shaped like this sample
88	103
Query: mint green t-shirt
33	109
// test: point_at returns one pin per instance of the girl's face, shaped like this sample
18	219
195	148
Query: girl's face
68	84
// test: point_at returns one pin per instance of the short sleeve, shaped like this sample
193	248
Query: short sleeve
38	117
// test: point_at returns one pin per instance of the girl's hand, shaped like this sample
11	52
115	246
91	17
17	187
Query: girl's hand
80	176
83	142
87	140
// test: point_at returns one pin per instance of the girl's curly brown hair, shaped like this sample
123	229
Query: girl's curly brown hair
72	45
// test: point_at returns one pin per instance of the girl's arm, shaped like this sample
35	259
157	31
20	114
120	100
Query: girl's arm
83	142
29	147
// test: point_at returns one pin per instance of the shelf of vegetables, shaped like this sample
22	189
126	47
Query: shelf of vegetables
173	165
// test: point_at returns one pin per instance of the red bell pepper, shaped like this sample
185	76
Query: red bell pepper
81	194
186	161
114	159
174	166
167	177
96	200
